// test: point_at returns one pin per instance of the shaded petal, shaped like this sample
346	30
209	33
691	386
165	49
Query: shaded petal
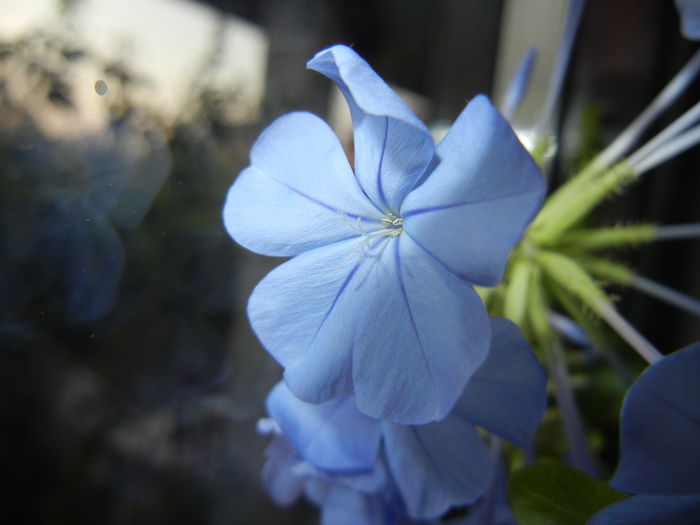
371	482
299	192
437	466
280	474
420	337
343	506
492	508
507	394
650	510
333	435
320	482
392	146
304	313
475	206
660	429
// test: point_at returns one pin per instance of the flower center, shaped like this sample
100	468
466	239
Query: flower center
393	223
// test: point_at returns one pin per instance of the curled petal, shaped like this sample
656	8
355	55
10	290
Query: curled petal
333	435
299	192
507	394
393	147
475	206
438	465
660	428
419	339
344	506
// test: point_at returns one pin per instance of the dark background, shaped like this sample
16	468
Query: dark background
147	413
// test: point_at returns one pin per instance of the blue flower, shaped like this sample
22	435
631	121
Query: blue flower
660	446
433	466
344	497
378	300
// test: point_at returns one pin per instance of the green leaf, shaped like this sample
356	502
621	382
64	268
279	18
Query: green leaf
549	493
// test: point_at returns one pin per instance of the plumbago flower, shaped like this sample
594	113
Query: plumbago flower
660	451
429	468
378	299
343	497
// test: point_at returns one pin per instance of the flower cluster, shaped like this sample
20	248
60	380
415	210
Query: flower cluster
390	357
421	470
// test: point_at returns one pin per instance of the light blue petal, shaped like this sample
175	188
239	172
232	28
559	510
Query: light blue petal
337	307
333	435
316	487
437	466
392	146
320	482
299	192
690	18
660	430
650	510
371	482
343	506
304	313
422	333
280	475
474	207
507	394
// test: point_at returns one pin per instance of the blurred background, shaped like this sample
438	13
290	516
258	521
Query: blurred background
130	382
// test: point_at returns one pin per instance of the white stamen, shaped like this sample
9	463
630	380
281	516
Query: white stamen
666	294
366	249
668	150
677	231
678	126
628	332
